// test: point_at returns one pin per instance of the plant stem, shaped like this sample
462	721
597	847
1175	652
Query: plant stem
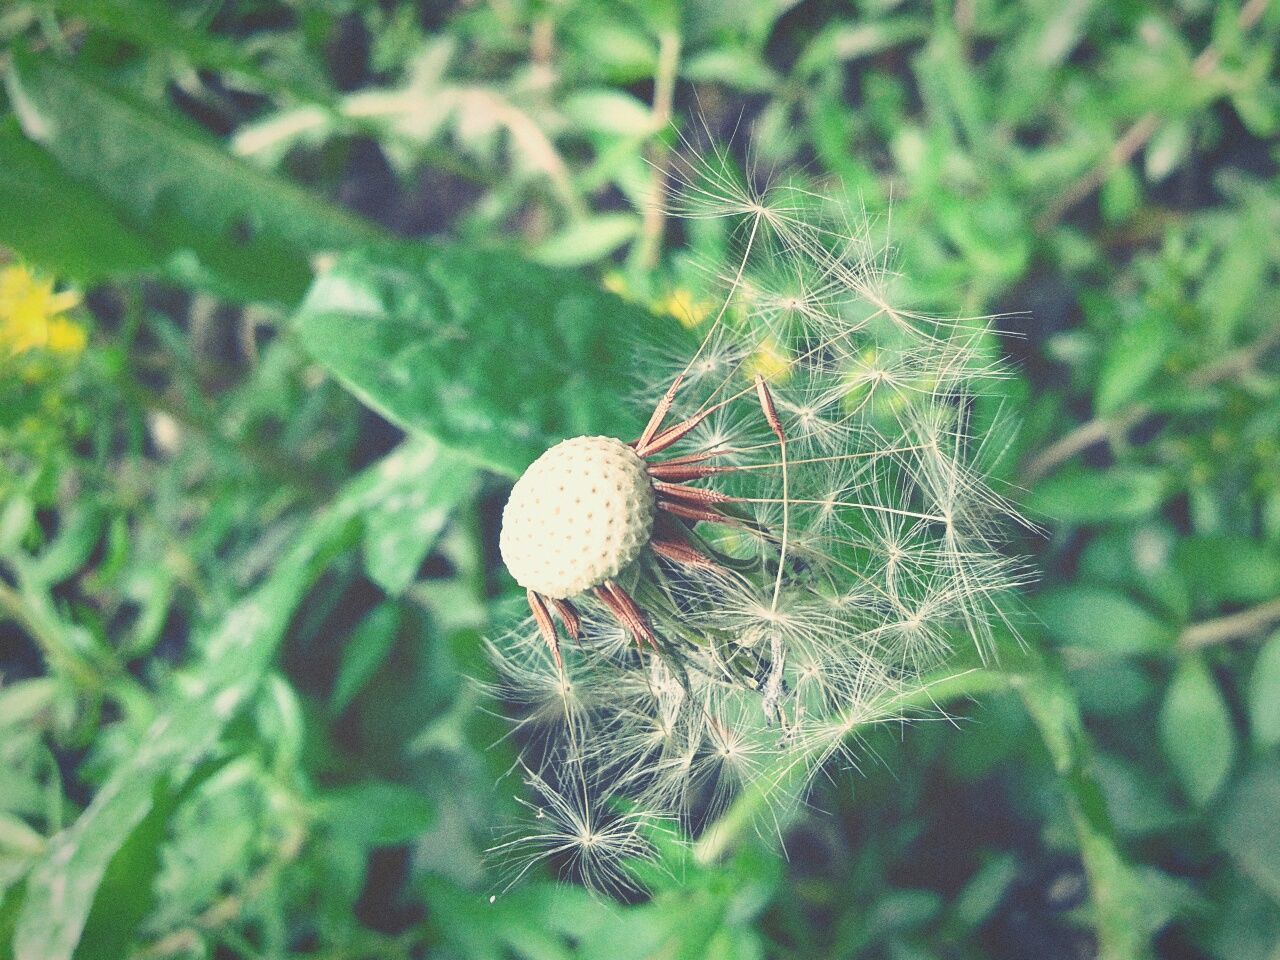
1236	626
1142	130
1080	439
1116	893
59	655
1117	424
752	807
664	91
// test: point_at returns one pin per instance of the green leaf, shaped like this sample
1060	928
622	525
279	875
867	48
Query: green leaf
154	24
587	240
1264	695
59	224
17	837
1080	495
10	908
734	67
377	813
1229	569
1167	149
1101	620
125	893
364	650
21	701
63	886
1196	730
1130	361
220	222
495	357
985	889
608	111
78	533
1235	284
1137	803
1118	898
1121	194
1248	827
842	42
427	483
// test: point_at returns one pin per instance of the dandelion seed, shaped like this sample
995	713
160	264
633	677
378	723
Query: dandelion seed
798	535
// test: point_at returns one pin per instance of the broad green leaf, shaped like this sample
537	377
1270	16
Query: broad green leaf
1229	569
1140	559
1248	827
426	484
608	111
151	23
219	221
364	650
58	223
1196	730
1138	804
1101	620
1119	901
377	813
495	357
1131	359
63	886
1110	687
125	893
1080	495
587	240
1264	695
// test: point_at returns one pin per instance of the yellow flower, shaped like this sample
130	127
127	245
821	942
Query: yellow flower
31	314
680	304
770	360
616	283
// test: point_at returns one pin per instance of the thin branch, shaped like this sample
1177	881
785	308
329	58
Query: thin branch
664	91
1142	130
59	654
1107	428
1080	439
1237	626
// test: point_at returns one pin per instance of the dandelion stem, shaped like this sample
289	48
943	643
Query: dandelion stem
759	799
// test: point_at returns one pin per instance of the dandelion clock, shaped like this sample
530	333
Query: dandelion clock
796	538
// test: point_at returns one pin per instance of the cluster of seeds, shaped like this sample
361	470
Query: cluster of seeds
797	541
577	517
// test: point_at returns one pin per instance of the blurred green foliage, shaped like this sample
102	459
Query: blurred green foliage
246	546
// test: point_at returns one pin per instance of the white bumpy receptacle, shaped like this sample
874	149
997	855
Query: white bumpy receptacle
578	516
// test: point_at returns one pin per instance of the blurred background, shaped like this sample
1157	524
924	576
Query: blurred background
247	554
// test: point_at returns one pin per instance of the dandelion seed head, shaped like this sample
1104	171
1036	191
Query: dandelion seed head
823	539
